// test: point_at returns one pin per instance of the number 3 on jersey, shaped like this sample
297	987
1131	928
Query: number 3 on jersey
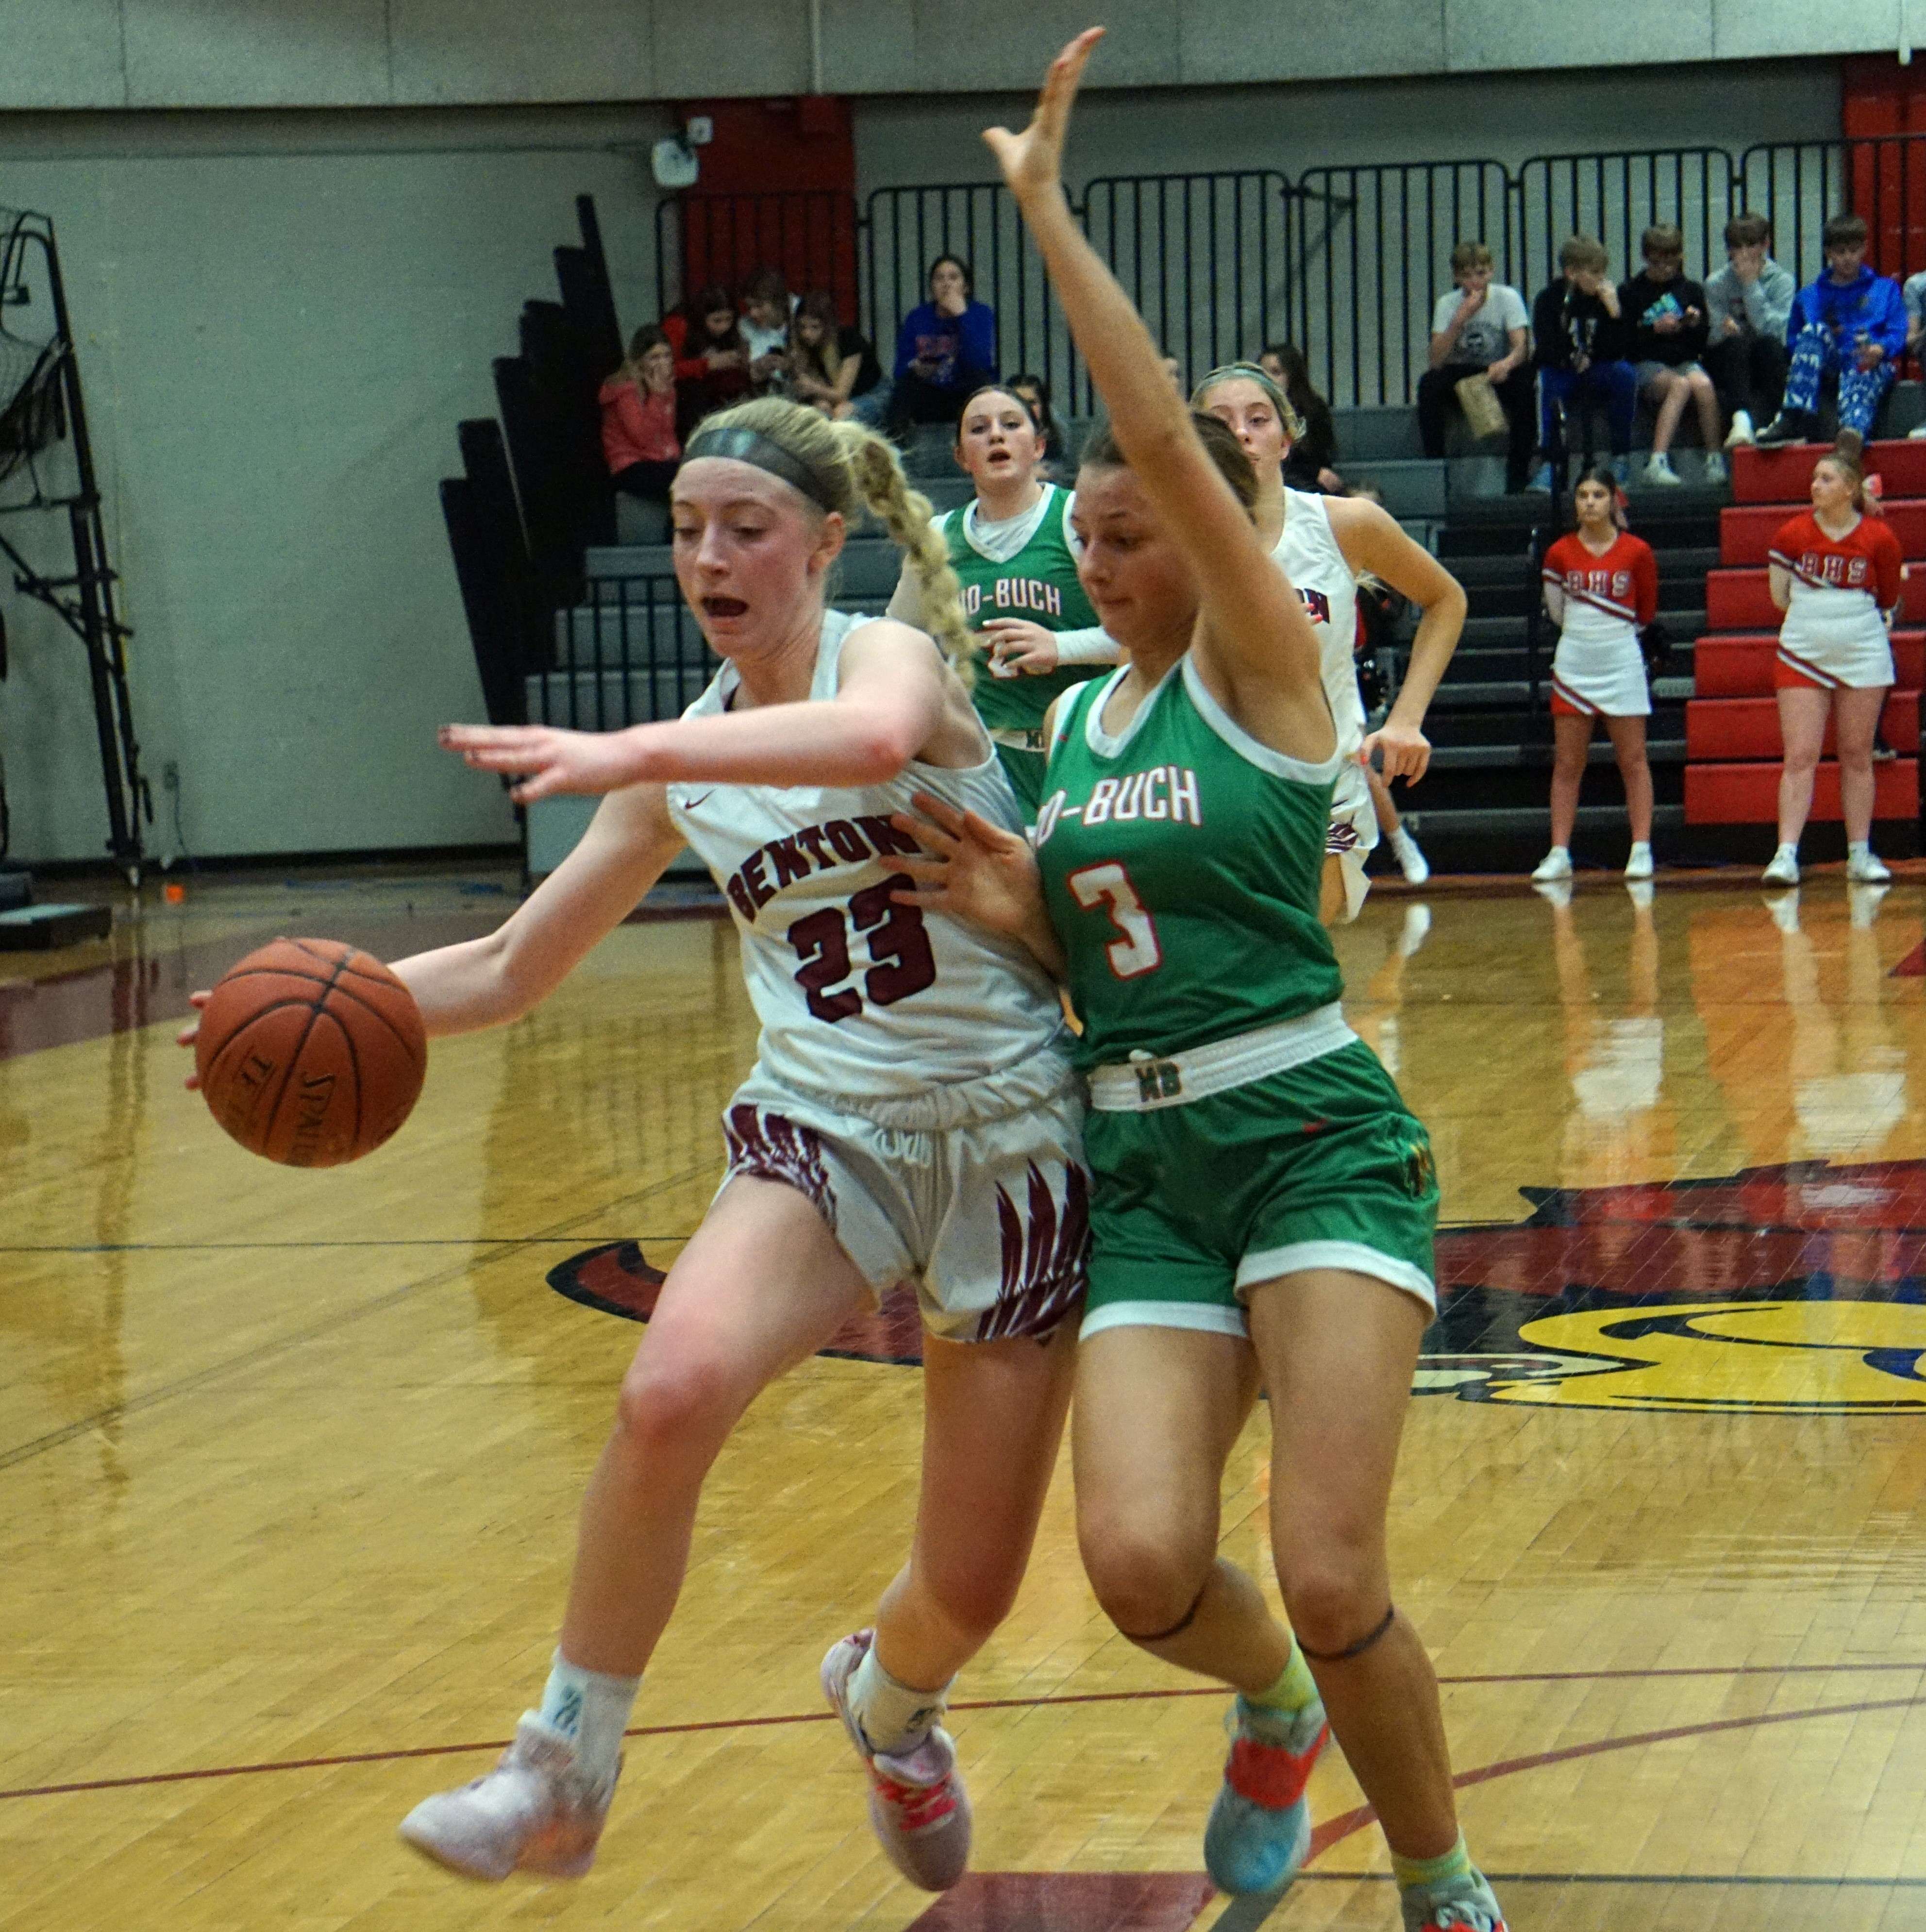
1108	886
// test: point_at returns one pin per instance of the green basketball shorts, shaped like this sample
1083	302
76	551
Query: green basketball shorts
1195	1201
1024	758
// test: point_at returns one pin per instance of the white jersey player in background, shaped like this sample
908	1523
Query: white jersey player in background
911	1114
1323	544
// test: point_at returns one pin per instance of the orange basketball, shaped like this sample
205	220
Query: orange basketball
310	1053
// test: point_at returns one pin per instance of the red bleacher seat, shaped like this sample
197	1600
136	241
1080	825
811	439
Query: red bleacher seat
1749	794
1741	667
1746	533
1784	474
1724	729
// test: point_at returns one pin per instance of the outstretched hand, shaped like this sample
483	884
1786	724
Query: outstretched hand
974	870
1033	162
552	761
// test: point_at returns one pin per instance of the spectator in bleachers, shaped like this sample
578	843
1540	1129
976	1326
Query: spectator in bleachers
1600	589
1850	323
1312	463
832	367
946	348
1034	393
638	418
1666	313
712	371
765	325
1748	303
1581	338
1912	293
1480	328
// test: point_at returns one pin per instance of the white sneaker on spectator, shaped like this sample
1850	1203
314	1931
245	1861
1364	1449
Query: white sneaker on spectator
1865	869
1716	471
1916	435
1658	469
1639	866
1739	436
1411	862
534	1812
1556	864
1784	869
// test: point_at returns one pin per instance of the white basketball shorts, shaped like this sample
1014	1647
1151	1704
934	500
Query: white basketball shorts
977	1192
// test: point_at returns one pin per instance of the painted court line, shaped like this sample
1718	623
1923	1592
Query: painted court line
1328	1834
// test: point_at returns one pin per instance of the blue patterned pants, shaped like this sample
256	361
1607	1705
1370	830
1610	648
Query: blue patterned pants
1814	354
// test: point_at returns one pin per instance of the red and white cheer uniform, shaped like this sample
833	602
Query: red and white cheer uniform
1843	590
1599	671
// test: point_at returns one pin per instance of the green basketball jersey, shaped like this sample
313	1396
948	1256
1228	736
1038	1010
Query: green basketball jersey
1039	584
1181	862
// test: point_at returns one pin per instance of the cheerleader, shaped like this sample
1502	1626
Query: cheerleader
1601	589
1836	572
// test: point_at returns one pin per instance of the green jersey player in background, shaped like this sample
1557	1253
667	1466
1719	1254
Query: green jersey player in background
1014	552
1263	1203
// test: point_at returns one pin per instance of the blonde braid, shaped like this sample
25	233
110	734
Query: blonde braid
907	515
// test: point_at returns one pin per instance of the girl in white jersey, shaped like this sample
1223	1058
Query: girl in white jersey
911	1114
1323	544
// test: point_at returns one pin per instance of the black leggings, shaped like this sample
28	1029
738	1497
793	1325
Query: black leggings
1518	395
1749	372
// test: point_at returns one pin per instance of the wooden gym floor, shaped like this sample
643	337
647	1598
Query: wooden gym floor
289	1463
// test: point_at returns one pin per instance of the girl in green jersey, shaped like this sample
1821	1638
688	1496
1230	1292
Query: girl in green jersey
1015	554
1264	1203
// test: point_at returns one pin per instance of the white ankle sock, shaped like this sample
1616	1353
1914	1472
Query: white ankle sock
591	1710
1859	848
893	1715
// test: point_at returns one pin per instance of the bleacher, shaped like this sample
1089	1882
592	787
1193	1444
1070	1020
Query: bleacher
1731	727
577	620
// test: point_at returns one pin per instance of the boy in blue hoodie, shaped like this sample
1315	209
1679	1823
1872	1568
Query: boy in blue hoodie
1850	321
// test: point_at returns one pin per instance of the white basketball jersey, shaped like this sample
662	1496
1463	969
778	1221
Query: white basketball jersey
858	996
1308	554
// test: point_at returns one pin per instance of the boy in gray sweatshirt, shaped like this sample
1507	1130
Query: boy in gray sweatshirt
1748	303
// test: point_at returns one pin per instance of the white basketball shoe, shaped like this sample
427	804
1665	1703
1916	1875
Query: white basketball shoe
534	1812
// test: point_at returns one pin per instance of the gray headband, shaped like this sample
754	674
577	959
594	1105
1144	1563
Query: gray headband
760	452
1249	372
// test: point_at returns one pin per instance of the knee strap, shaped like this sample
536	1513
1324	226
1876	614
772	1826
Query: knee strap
1344	1656
1182	1624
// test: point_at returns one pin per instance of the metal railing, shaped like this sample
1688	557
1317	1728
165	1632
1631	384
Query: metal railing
1347	261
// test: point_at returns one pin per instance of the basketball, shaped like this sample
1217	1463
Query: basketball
310	1053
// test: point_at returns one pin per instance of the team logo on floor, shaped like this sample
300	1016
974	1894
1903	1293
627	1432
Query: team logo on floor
616	1278
1787	1290
1797	1290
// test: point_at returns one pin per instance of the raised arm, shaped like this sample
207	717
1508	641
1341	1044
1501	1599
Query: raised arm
484	982
1255	629
876	725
